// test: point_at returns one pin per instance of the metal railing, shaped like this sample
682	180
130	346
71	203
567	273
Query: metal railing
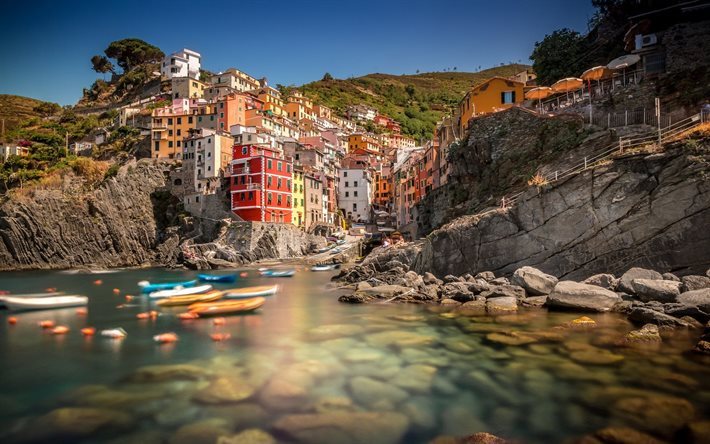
624	144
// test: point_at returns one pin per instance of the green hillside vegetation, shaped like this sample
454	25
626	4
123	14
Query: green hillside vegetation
416	101
15	110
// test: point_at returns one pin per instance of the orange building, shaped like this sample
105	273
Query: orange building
231	110
493	95
360	143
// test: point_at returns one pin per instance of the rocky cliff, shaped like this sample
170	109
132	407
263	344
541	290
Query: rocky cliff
642	209
123	222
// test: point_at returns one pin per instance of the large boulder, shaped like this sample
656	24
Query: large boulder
656	290
571	295
534	281
643	315
604	280
457	291
694	282
501	304
504	290
344	427
627	279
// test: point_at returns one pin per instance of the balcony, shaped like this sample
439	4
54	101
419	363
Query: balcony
243	170
246	186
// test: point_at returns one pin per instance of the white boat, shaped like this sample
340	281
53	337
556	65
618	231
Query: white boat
180	291
44	303
328	267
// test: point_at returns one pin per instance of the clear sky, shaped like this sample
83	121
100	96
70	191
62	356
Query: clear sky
47	44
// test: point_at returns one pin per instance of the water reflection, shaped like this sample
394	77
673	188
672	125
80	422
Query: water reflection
305	364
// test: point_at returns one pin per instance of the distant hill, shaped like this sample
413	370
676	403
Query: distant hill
416	101
16	109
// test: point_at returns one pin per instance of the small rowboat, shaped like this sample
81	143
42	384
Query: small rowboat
147	287
30	296
278	273
217	278
45	303
226	307
324	267
190	299
250	292
180	292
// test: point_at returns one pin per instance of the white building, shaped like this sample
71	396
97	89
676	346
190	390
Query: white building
184	63
10	150
361	112
355	192
206	155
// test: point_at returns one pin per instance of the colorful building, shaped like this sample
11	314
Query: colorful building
187	88
170	125
313	207
236	80
361	143
298	217
355	190
184	63
495	94
206	158
261	184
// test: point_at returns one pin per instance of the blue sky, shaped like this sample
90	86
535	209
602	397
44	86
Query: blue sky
46	45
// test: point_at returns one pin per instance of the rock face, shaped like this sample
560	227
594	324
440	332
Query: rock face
574	296
641	210
534	281
123	222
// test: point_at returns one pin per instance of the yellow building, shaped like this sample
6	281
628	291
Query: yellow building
272	101
299	107
495	94
364	143
168	132
187	88
298	198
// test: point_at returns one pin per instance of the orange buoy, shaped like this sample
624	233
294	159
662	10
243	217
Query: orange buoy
129	298
219	321
88	331
98	282
243	274
153	314
81	311
60	330
46	324
12	320
165	338
50	289
188	315
145	315
116	291
219	337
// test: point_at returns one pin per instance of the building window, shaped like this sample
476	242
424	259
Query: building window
170	143
268	198
278	199
347	184
347	194
251	195
345	174
170	121
179	120
269	164
354	193
244	150
507	97
189	120
354	207
355	184
268	181
278	166
278	183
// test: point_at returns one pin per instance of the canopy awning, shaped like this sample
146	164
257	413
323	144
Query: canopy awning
539	93
568	84
596	73
624	61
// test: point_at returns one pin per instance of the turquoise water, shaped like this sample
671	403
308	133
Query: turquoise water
424	371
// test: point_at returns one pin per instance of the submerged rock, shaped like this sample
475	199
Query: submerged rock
662	415
647	333
224	390
501	304
534	281
595	356
376	394
642	315
163	373
344	427
76	422
206	431
574	296
249	436
511	338
618	435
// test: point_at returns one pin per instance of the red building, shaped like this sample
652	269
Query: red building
261	184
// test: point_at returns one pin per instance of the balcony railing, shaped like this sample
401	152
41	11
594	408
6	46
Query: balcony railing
243	170
246	186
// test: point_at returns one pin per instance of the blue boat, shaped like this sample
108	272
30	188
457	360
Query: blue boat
278	273
217	278
147	287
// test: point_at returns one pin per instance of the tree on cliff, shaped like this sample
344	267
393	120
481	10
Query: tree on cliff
128	53
559	55
101	64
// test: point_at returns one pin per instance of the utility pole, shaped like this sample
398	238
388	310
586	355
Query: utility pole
66	144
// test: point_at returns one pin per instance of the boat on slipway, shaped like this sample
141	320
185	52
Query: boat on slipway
278	273
180	291
328	267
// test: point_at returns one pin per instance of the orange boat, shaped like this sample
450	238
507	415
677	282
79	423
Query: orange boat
226	307
174	301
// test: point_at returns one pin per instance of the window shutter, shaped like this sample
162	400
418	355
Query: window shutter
512	95
502	97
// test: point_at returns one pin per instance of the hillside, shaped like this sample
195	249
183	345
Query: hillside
416	101
17	109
